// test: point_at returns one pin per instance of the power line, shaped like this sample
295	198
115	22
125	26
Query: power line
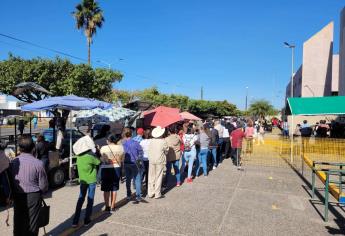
78	58
42	47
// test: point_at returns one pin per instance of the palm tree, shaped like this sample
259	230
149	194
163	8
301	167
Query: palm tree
261	108
89	17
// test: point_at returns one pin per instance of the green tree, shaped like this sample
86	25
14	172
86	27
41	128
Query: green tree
89	17
261	108
58	76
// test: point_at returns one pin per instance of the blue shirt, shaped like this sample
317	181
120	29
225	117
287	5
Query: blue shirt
138	138
305	125
133	151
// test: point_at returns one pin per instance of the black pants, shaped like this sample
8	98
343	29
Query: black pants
227	147
26	210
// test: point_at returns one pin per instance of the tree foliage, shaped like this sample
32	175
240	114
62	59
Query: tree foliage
201	108
261	108
59	76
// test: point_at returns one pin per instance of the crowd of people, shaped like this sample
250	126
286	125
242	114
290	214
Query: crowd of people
143	158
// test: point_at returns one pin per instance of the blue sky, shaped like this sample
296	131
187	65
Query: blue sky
180	45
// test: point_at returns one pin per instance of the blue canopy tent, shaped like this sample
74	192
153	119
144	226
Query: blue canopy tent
70	102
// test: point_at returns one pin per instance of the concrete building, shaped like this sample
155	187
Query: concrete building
335	76
342	54
314	76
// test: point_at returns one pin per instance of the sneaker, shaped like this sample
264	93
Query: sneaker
189	180
87	222
160	197
114	209
107	209
128	198
178	184
214	167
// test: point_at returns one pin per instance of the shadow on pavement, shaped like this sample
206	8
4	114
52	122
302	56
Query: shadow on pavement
339	218
68	222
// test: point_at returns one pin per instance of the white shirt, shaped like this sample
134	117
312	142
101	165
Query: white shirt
191	138
145	145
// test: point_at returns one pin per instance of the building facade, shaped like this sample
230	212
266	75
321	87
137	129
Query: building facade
318	75
342	54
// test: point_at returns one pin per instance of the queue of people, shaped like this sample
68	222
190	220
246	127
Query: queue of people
145	159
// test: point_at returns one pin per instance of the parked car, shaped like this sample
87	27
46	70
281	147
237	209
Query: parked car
59	160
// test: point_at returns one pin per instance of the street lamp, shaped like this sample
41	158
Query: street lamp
307	86
246	98
292	47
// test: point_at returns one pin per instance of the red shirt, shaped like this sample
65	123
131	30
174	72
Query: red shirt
236	138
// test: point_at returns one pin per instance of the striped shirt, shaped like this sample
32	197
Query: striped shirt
29	175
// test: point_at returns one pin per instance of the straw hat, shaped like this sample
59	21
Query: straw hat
84	144
158	132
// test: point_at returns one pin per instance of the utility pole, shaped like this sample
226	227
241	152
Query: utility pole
202	93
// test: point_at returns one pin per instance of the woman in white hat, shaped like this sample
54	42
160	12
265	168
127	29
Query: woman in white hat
87	164
157	151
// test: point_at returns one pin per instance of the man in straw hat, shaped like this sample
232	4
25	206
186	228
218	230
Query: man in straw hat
157	150
87	164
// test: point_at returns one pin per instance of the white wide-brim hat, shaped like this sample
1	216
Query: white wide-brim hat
158	132
84	144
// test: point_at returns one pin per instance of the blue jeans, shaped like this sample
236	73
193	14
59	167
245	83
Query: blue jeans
176	165
85	188
189	157
202	161
132	172
214	155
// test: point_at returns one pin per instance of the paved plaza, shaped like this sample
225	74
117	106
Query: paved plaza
256	201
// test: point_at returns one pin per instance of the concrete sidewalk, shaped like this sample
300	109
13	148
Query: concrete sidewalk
256	201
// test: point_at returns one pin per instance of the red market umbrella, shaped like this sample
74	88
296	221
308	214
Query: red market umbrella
162	116
188	116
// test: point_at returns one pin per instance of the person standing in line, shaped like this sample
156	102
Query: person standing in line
249	135
226	140
87	164
112	156
133	170
42	150
181	134
189	140
220	128
145	146
213	146
158	150
236	138
173	156
139	137
30	181
204	141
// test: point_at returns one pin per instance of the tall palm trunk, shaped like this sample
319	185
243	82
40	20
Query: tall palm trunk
89	51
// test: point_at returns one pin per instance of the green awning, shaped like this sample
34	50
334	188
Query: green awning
317	105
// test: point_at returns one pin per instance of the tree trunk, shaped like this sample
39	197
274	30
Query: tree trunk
89	51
